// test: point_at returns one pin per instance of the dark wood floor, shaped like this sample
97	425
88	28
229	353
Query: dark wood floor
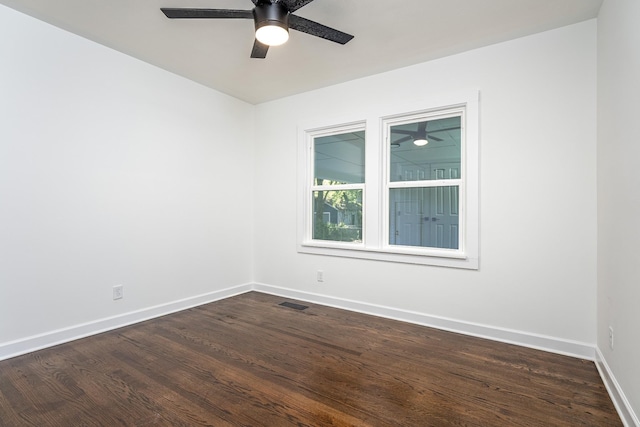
247	361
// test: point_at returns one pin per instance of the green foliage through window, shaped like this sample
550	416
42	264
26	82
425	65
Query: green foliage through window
337	215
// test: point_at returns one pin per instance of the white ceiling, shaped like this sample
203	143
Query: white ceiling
388	34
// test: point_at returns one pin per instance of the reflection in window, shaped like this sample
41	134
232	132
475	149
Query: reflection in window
422	151
426	217
416	146
339	159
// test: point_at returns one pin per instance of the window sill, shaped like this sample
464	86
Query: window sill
440	258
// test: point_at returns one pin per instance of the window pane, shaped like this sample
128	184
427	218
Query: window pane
426	217
337	215
339	159
438	158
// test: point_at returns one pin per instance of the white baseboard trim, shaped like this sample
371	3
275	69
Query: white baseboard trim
539	342
49	339
627	415
60	336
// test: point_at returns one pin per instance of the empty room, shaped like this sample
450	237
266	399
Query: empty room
388	214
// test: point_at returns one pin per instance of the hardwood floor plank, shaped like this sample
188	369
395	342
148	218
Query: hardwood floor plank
248	361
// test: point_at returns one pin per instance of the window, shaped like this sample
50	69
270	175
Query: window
337	186
424	164
397	187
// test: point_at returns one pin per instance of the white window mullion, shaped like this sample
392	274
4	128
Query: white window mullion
373	195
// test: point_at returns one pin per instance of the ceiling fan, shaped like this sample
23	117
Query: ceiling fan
419	136
272	19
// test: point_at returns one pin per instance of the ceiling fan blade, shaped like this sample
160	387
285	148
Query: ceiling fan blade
444	129
310	27
176	13
403	132
259	50
293	5
430	134
401	140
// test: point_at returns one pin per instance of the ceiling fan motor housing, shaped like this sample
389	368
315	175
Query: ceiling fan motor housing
271	14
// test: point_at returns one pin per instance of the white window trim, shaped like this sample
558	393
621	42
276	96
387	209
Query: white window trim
374	218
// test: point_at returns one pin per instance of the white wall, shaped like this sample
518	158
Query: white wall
538	205
112	171
115	172
619	193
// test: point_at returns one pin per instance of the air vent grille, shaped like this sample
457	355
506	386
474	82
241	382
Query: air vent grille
294	305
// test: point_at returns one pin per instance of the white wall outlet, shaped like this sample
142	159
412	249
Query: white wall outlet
320	276
611	337
118	292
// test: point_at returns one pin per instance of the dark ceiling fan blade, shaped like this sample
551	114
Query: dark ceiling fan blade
404	132
176	13
259	50
293	5
430	133
444	129
310	27
401	140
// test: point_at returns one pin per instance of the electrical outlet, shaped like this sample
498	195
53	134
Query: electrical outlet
320	276
610	337
118	292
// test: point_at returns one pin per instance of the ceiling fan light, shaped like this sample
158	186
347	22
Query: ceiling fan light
272	23
272	35
420	142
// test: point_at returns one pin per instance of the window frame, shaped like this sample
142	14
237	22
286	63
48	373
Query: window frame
311	187
388	184
375	214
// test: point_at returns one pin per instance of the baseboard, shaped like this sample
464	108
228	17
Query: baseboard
539	342
620	401
60	336
49	339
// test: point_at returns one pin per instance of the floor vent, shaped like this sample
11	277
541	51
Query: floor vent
294	305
